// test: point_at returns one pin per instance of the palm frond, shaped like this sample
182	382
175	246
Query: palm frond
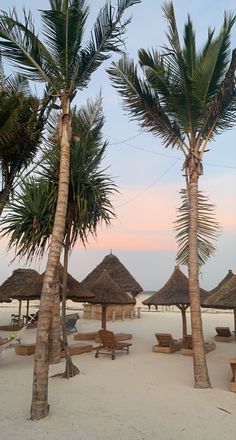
143	103
29	219
189	50
221	112
106	37
213	61
63	31
20	44
208	229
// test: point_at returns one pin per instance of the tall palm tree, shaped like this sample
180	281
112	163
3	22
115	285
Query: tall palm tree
29	217
186	97
21	125
64	62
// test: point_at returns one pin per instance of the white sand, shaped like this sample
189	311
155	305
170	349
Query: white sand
143	396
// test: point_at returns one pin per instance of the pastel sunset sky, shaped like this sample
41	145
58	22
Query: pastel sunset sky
148	176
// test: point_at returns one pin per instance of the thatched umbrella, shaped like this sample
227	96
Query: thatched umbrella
19	279
224	295
174	292
76	291
117	272
107	292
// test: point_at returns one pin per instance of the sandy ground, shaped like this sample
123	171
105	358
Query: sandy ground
143	396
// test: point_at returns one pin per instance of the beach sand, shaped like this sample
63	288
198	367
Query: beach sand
143	396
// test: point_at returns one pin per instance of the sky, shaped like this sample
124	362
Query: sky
148	176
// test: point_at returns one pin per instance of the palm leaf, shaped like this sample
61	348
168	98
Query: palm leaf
208	229
143	103
106	37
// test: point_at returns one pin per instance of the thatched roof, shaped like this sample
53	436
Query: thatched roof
75	290
175	291
117	272
106	291
19	279
224	297
224	280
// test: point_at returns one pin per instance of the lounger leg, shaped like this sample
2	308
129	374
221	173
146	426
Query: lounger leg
96	354
113	355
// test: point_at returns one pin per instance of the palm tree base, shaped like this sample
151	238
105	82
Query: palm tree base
71	370
202	384
39	411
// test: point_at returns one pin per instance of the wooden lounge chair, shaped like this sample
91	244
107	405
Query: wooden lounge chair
187	348
70	321
75	349
109	344
166	343
223	334
119	337
232	385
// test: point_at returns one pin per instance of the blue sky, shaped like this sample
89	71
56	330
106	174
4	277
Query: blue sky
149	176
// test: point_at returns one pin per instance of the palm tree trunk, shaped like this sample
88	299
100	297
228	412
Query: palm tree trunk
40	407
201	378
4	196
55	351
70	370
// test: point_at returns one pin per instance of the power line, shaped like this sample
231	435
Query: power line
159	154
149	186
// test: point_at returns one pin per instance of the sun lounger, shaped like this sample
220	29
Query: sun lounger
187	348
85	336
25	349
223	334
109	344
70	322
119	337
232	385
166	343
75	349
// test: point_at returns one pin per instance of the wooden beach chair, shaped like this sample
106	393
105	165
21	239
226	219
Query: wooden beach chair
109	344
187	347
166	343
223	334
232	385
70	321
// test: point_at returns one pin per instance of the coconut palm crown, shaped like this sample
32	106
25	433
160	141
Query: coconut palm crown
186	97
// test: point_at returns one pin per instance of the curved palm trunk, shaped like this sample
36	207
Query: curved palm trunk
55	351
201	378
70	370
40	407
5	195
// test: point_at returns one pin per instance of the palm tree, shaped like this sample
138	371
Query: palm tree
21	125
29	217
65	64
186	98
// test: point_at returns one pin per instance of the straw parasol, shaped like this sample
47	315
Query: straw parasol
19	279
117	272
107	292
75	291
174	292
224	295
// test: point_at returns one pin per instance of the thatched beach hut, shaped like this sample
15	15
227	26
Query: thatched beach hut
117	272
174	292
19	279
224	295
123	278
76	291
107	292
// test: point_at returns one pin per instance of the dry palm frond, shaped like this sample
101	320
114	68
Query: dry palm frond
208	228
